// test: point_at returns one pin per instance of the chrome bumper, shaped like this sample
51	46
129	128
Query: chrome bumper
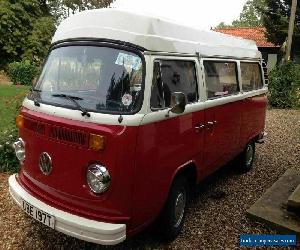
70	224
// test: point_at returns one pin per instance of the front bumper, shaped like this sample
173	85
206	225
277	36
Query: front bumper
73	225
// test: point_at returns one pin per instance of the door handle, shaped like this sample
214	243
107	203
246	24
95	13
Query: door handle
199	127
210	124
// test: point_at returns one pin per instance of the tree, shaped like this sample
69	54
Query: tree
26	27
39	40
61	9
223	25
17	21
251	15
276	20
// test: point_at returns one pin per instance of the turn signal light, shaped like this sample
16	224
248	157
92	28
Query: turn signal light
20	121
97	142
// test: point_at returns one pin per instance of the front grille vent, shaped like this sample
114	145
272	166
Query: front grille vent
56	132
67	135
34	126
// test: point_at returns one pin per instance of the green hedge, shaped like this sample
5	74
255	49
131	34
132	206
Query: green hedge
284	86
22	72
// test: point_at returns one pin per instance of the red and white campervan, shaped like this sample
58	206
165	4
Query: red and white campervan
127	115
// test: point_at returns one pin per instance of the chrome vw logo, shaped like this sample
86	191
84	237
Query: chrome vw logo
45	163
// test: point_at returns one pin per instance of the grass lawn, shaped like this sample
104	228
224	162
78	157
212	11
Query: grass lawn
11	96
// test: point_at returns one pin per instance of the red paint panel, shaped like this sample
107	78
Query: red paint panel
66	186
162	147
253	117
142	160
221	141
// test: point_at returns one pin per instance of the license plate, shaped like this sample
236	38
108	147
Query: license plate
38	214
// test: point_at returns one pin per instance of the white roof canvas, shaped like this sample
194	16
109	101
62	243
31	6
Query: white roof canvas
153	34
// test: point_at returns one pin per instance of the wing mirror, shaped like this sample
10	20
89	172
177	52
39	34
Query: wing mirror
178	103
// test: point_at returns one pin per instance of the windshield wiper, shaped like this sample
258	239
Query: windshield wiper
35	101
74	99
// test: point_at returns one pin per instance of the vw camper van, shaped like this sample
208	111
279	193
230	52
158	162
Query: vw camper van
128	114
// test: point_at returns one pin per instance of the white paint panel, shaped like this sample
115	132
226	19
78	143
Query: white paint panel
153	33
70	224
138	119
108	119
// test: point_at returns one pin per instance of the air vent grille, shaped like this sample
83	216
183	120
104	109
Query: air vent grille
58	133
34	126
67	135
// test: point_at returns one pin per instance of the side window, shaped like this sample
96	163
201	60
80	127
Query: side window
221	78
171	76
251	76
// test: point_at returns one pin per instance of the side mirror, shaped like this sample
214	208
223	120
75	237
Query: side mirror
178	103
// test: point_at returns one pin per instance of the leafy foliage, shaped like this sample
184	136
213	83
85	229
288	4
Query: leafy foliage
19	35
22	72
276	20
26	27
284	86
61	9
38	41
251	15
8	160
223	25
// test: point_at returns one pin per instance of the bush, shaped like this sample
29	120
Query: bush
22	72
8	160
284	86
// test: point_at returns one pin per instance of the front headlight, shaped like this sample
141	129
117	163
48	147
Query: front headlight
19	147
98	178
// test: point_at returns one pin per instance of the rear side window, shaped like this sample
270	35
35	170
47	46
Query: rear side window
221	78
171	76
251	76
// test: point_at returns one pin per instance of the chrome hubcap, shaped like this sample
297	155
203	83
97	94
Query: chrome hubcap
179	207
249	154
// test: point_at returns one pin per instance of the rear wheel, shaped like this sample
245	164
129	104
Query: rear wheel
173	214
247	157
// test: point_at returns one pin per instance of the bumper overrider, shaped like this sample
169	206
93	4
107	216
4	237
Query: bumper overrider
70	224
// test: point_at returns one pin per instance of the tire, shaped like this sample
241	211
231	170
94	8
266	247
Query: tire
247	157
172	217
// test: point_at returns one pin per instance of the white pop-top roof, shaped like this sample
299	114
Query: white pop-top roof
153	34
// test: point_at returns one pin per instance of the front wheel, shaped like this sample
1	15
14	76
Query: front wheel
173	214
247	157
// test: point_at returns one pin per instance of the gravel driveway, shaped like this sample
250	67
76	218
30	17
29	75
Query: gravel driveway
216	216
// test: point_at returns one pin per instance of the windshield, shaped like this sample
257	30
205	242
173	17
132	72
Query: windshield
102	79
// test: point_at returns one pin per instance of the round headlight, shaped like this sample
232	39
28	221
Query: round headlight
19	147
98	178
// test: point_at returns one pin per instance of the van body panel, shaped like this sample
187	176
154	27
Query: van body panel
66	185
222	135
253	117
162	148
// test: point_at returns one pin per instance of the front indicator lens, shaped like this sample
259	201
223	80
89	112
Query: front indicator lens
20	121
19	147
98	178
96	142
